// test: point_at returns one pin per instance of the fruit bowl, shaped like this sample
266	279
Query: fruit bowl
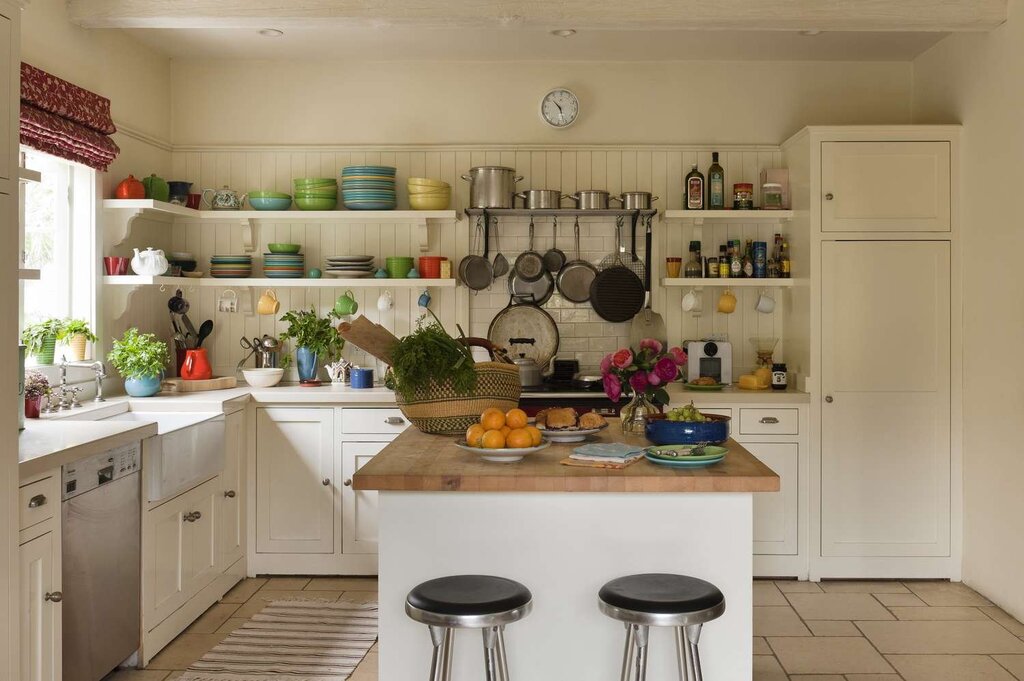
502	454
661	431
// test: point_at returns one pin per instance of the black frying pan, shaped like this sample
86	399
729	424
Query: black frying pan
617	294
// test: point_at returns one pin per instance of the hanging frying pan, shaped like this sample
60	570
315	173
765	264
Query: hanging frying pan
476	270
529	264
523	319
575	277
617	293
538	292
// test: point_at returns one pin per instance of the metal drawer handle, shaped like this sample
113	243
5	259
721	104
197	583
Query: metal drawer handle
394	420
326	482
348	483
54	596
769	419
230	494
37	501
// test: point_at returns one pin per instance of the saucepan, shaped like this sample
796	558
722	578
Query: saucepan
635	200
492	186
541	199
590	199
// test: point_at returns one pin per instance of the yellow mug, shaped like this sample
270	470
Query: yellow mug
268	303
727	302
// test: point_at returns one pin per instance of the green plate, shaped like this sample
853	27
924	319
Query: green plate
711	452
704	388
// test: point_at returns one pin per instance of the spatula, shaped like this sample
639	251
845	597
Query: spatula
648	323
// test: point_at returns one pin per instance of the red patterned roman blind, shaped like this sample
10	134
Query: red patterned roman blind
60	118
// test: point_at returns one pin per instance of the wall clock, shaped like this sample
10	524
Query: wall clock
560	108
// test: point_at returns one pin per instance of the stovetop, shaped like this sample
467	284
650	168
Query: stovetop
552	388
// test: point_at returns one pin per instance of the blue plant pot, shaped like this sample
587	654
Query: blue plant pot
305	360
142	387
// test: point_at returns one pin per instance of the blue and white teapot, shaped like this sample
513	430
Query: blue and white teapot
224	199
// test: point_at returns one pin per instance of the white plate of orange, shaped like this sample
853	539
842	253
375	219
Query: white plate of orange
502	436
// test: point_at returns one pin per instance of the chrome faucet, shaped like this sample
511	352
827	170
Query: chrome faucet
99	370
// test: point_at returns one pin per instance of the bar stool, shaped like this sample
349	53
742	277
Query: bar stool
469	602
661	600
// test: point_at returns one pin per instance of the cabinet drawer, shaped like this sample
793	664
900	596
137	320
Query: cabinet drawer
373	421
38	501
769	421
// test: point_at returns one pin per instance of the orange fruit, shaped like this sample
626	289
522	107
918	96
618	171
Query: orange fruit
518	438
515	418
535	435
493	439
505	430
492	419
473	435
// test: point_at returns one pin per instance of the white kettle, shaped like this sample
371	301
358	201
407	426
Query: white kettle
149	263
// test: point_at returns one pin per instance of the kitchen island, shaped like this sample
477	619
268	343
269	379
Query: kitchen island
563	532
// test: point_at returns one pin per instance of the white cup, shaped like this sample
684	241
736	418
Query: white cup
691	301
385	302
765	303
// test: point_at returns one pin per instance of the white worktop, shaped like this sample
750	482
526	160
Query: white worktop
45	445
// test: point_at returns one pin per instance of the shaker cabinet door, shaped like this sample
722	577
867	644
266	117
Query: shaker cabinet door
885	187
777	514
166	560
39	617
359	507
232	500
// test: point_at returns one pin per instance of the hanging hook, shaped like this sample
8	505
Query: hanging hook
162	288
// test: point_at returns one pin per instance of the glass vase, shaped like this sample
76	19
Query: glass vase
635	414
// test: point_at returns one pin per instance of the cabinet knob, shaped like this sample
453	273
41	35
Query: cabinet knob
53	596
348	483
326	482
829	196
394	420
196	516
37	501
230	494
769	419
192	517
829	399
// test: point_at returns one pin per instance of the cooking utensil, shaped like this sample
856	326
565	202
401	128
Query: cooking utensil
616	293
500	267
554	259
492	186
190	335
590	199
529	264
539	292
575	277
529	371
205	329
635	200
177	303
629	258
476	271
648	324
540	199
521	318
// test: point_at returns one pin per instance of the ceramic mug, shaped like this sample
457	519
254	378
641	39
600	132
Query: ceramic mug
385	302
360	377
727	302
424	299
691	301
765	303
196	366
268	303
346	304
228	301
193	201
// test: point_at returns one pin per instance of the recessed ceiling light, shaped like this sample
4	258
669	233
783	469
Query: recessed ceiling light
811	32
271	33
564	32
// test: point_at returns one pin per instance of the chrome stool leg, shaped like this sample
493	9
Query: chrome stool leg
437	635
693	637
446	655
490	636
641	652
682	654
502	658
627	654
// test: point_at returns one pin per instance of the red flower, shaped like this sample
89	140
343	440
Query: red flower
651	344
678	354
653	378
622	358
638	381
612	387
606	364
666	369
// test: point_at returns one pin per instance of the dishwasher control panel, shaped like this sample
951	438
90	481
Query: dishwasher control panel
88	474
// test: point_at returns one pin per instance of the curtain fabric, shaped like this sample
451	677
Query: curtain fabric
60	118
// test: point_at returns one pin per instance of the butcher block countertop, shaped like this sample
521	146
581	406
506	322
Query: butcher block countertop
417	462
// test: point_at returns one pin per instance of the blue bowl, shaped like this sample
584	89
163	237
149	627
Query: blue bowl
270	204
661	431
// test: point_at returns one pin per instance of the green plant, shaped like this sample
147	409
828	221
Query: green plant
36	385
307	329
430	354
36	334
139	355
75	327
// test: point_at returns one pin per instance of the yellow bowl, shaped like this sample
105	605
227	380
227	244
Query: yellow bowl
427	182
416	189
418	202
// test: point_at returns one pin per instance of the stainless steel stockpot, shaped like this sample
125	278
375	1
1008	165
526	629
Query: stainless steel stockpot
590	199
540	199
492	186
635	200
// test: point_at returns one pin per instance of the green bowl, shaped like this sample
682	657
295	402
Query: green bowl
269	195
316	204
284	248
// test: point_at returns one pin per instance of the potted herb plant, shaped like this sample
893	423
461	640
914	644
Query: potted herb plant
41	339
75	334
140	358
36	385
315	340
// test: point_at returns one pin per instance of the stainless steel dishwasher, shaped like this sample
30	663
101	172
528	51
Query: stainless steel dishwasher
101	516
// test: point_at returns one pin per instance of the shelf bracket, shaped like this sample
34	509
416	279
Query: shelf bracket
249	235
424	235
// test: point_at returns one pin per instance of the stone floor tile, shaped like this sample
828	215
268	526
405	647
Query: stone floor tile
343	584
863	587
833	628
184	650
244	590
766	593
262	597
137	675
286	583
873	677
777	620
1015	663
947	593
948	668
941	612
1008	621
175	675
766	668
817	677
761	646
231	624
900	600
359	596
828	655
941	638
211	620
792	586
838	606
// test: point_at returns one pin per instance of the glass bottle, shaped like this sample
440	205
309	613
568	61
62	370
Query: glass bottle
711	271
735	261
748	261
785	266
716	184
693	267
694	189
773	258
723	262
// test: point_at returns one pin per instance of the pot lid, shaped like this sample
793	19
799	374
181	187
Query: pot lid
525	321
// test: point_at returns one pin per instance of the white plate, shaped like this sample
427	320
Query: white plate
349	275
349	258
566	435
350	267
503	455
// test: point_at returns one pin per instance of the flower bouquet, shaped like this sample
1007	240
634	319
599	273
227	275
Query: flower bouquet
642	373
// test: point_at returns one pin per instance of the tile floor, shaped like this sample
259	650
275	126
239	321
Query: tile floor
832	631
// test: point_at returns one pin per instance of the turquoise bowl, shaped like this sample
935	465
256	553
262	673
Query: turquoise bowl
142	387
259	203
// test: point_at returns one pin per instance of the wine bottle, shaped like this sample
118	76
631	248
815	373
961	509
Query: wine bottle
716	184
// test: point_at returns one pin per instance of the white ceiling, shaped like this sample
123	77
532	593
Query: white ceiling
401	43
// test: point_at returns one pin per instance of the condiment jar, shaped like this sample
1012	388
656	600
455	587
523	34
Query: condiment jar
743	196
771	196
780	378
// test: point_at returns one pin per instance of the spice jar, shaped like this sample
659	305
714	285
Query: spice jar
743	196
771	193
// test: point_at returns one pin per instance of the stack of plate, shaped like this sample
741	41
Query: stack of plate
316	193
230	266
368	187
284	265
349	266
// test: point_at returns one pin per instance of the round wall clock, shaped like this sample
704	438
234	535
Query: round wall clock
560	108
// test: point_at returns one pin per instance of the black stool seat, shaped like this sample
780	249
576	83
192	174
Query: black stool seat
661	594
469	595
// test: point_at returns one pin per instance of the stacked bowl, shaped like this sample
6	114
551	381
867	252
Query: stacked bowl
269	200
316	193
427	194
349	266
230	266
368	187
284	262
398	267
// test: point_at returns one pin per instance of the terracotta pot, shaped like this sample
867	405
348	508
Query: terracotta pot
32	405
76	347
130	188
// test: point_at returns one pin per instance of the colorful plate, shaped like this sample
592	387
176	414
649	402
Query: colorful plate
715	455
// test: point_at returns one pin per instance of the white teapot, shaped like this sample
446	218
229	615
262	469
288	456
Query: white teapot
149	263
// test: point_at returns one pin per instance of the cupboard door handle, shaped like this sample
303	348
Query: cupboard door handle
769	419
348	483
196	516
326	482
187	518
230	494
394	420
53	596
37	501
829	399
829	196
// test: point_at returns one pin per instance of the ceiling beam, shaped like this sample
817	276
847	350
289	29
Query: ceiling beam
780	15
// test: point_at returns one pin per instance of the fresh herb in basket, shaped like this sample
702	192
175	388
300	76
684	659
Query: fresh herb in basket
430	354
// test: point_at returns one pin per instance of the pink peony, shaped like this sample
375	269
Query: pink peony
666	369
612	387
679	355
651	344
606	364
622	358
638	381
653	378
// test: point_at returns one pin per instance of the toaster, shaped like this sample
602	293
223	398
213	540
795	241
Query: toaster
709	358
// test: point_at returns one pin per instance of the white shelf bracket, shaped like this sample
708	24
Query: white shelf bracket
249	235
424	236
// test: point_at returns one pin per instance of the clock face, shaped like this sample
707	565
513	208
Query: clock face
559	108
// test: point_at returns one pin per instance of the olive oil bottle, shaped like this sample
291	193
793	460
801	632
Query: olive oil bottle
716	184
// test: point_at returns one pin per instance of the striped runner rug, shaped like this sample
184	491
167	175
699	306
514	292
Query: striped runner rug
293	641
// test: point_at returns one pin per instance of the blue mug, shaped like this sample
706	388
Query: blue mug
424	300
361	377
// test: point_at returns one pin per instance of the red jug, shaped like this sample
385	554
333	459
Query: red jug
196	366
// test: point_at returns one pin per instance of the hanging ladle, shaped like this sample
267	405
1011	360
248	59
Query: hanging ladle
501	266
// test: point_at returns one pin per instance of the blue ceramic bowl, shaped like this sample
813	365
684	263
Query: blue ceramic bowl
661	431
270	204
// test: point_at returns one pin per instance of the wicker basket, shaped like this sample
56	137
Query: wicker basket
438	410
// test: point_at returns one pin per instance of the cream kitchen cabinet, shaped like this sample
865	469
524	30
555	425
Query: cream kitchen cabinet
887	186
231	531
9	68
358	507
39	590
777	514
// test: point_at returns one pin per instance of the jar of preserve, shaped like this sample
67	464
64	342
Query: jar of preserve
743	196
780	379
771	196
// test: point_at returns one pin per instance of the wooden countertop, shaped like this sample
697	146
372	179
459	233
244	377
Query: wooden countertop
417	462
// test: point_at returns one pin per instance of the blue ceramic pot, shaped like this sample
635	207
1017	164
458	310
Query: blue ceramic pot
305	360
142	387
661	431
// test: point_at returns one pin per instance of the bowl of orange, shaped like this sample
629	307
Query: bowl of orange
502	436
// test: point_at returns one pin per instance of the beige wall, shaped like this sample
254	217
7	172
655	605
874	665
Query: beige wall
975	79
246	102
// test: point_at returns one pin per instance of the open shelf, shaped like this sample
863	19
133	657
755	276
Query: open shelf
325	282
696	282
29	175
28	275
734	216
556	212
